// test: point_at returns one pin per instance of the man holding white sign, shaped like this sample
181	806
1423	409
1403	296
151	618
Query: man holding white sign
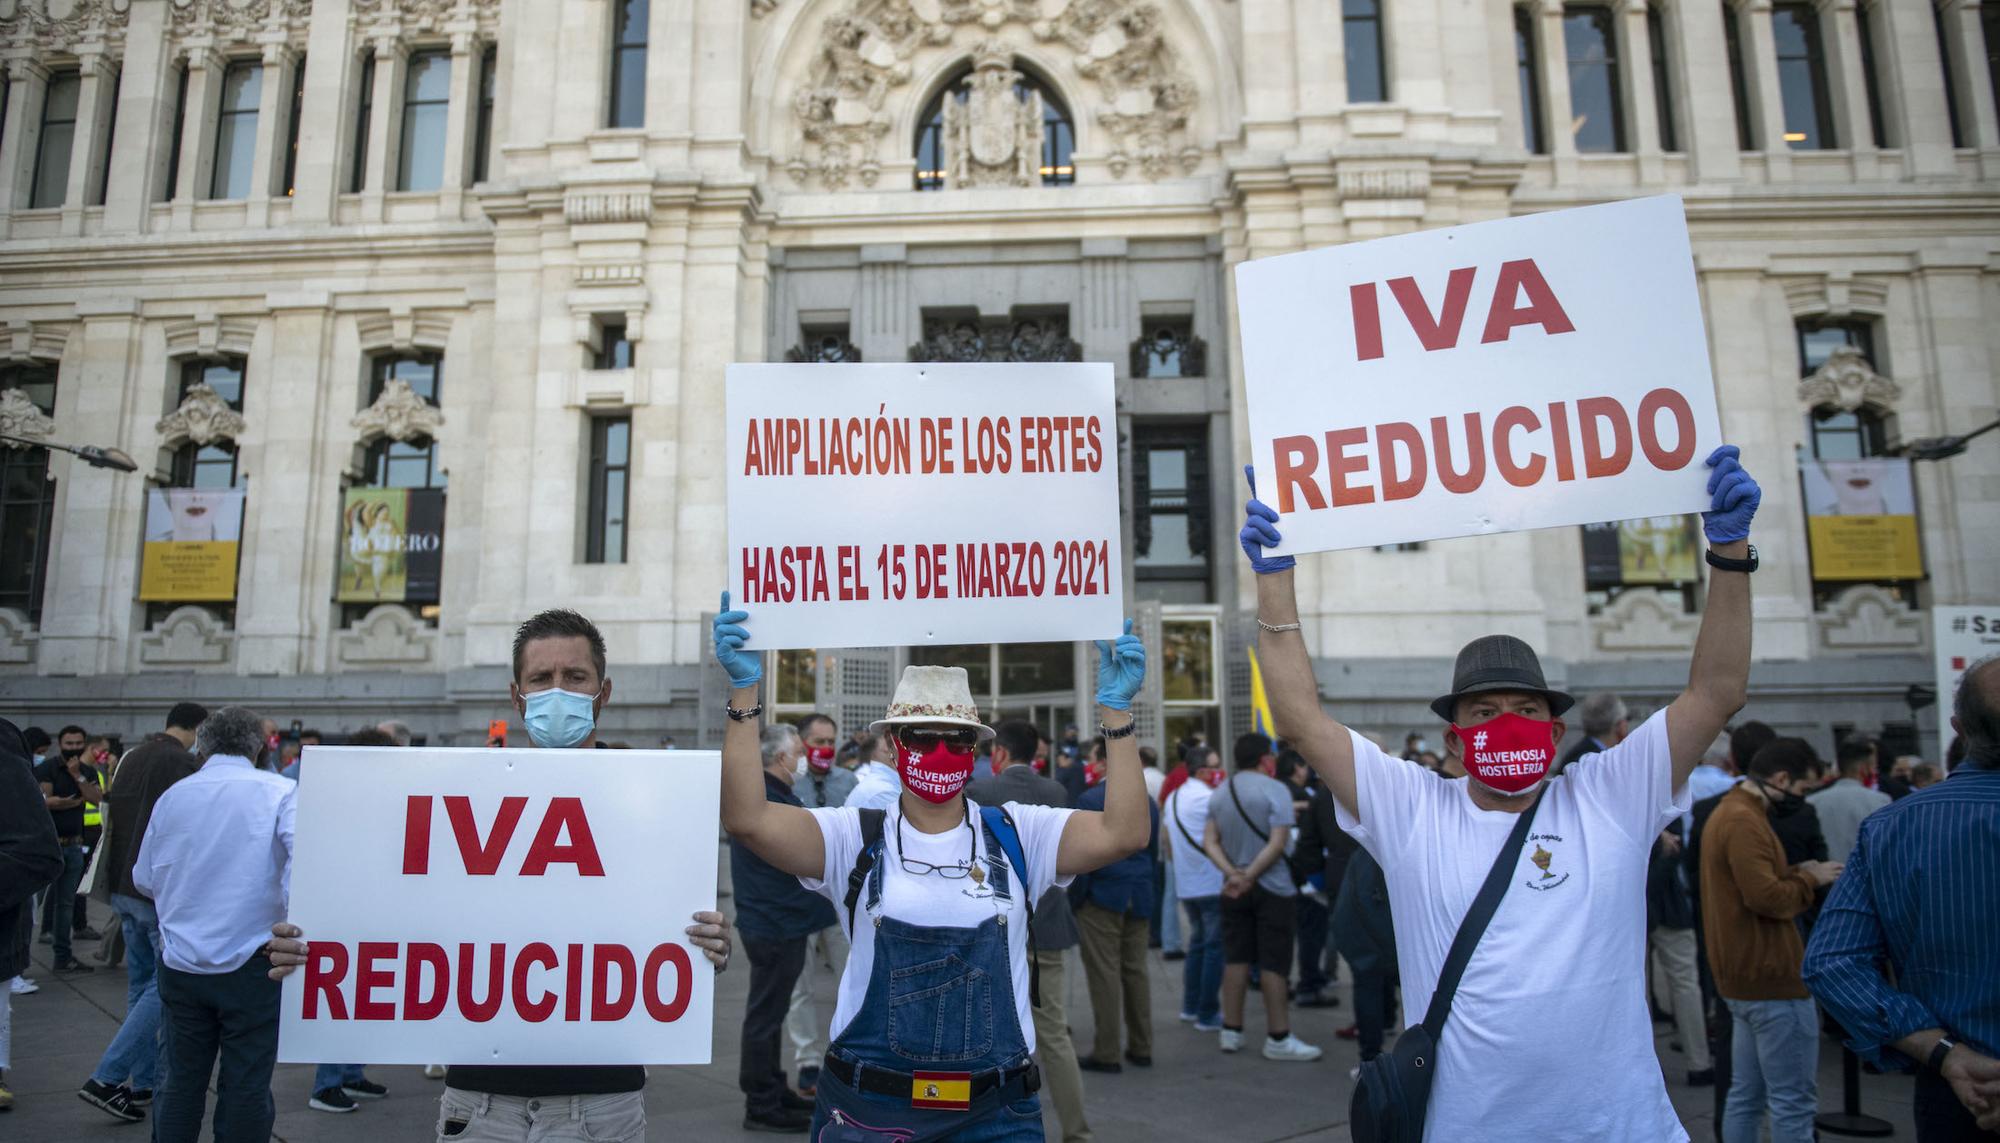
565	1002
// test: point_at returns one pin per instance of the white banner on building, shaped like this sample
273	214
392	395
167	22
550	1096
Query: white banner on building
1960	637
1523	373
502	906
924	503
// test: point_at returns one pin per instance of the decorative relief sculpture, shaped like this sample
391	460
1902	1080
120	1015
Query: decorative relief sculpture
239	21
423	17
21	418
203	418
51	27
398	414
1844	381
1145	99
992	138
1029	338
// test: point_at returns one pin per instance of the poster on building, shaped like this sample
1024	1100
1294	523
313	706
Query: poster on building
1960	637
924	504
192	539
1521	373
501	906
1655	550
392	545
1861	519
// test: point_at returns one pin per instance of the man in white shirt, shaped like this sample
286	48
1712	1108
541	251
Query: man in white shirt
1198	884
1843	805
217	861
1548	1037
876	785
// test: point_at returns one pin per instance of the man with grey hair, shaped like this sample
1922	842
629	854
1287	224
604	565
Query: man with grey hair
1605	725
217	861
775	915
398	730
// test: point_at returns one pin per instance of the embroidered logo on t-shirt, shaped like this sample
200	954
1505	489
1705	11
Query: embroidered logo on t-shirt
1544	860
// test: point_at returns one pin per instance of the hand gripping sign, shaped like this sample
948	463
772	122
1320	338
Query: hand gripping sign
921	504
1524	373
502	906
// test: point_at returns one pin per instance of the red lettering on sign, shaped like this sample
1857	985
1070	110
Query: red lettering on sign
669	1010
605	958
1597	459
533	1011
1475	455
326	967
563	814
1344	466
482	858
417	836
1518	475
481	1009
368	978
1403	484
1559	439
1367	324
1517	277
1650	407
1440	332
420	956
1296	460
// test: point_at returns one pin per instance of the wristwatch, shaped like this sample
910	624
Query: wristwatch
743	715
1944	1046
1727	564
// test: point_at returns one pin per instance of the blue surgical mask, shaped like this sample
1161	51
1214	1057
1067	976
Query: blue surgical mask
558	719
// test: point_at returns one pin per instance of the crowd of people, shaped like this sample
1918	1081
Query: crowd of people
1516	898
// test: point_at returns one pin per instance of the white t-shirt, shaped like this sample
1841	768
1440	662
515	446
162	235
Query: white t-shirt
1155	780
1549	1038
929	899
1194	874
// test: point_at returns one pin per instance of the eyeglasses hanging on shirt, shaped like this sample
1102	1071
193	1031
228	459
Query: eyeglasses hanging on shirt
955	872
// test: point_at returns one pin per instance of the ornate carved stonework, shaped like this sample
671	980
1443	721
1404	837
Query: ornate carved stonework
1846	382
17	638
607	206
203	418
1144	97
992	138
1867	617
189	636
1040	338
19	417
1641	621
388	18
1169	349
389	636
50	27
398	414
824	347
240	21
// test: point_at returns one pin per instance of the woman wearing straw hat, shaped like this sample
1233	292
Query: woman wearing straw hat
932	1035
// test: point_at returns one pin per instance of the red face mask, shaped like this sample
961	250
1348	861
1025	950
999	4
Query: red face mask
1509	753
1212	776
1093	773
937	775
819	759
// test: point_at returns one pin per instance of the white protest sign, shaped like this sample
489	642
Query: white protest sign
502	906
927	503
1523	373
1960	637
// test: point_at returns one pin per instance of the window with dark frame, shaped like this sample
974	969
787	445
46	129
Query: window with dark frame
1528	67
236	131
213	465
1841	434
426	104
1802	85
614	349
610	489
825	343
404	464
1989	23
1739	84
1950	70
1168	347
103	183
1367	63
364	119
627	104
168	191
1170	523
57	141
1871	79
27	500
1590	45
1663	85
297	106
1058	131
482	144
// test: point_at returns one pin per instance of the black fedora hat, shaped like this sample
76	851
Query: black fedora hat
1497	663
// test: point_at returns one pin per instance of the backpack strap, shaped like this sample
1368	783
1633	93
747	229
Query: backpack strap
871	851
1000	830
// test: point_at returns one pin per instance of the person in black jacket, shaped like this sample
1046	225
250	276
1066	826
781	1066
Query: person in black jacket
1322	848
30	860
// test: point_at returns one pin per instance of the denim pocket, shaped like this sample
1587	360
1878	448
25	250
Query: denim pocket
940	1011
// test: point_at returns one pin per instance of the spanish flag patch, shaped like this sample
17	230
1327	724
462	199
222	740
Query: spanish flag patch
941	1091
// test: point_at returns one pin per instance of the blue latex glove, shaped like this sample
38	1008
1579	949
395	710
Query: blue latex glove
1121	667
1260	531
1736	498
743	667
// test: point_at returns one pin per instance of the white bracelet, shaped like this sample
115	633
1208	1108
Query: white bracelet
1277	628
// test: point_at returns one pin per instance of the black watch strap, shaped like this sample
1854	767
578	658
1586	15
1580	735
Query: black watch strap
743	715
1936	1062
1725	563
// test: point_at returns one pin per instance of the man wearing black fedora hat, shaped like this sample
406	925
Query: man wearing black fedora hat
1548	1036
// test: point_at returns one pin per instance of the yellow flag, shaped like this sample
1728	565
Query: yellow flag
1260	706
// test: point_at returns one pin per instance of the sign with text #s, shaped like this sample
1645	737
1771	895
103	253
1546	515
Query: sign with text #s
502	906
1523	373
923	504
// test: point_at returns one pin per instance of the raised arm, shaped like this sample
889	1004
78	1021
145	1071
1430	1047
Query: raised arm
786	836
1288	676
1719	675
1093	840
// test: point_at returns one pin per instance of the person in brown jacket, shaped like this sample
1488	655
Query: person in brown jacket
1750	899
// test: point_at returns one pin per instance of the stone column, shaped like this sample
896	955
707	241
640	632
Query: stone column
327	116
1640	97
581	65
1270	88
28	85
1760	73
147	89
1706	91
1841	32
1913	96
883	322
461	124
1966	41
204	102
274	114
1107	318
1556	114
1321	58
1415	34
385	128
87	153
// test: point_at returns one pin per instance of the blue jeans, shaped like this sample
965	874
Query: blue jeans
59	902
1170	917
1201	973
337	1075
1774	1061
137	1053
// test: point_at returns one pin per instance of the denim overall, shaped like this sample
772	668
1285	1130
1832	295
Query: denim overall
939	999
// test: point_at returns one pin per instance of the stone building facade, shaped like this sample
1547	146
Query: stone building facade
507	247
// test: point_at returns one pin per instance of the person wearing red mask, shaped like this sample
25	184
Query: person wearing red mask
1548	1036
932	1030
819	785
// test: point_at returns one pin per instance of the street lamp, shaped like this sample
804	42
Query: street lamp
91	455
1943	448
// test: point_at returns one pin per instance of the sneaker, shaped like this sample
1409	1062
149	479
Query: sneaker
72	967
143	1097
331	1099
363	1089
1230	1040
111	1098
1208	1025
6	1098
433	1071
86	933
781	1121
1093	1064
1189	1018
1289	1048
22	986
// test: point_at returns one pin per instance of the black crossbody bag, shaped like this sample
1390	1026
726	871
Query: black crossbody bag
1392	1095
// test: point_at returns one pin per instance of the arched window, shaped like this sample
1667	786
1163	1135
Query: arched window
1056	167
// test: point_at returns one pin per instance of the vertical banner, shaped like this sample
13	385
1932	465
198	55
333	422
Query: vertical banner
1861	518
192	539
502	907
392	548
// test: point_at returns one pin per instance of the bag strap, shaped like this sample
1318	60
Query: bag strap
1000	827
1476	919
1263	835
871	850
1174	812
